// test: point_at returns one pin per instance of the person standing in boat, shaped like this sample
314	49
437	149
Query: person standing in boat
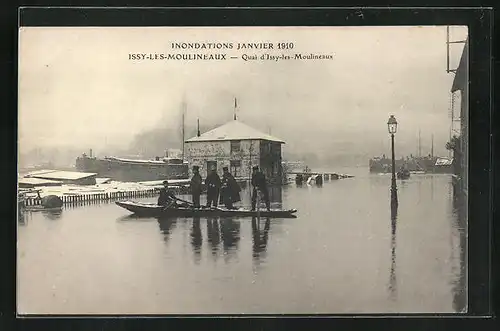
230	190
259	183
213	184
196	186
167	197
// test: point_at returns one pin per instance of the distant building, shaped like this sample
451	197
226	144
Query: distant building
173	153
238	147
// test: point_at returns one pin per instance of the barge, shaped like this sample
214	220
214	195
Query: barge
134	170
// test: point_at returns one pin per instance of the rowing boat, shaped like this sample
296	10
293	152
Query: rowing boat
154	210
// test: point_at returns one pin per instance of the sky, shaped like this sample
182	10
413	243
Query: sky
78	88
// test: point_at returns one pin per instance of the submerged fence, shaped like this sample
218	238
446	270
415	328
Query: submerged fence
102	197
74	199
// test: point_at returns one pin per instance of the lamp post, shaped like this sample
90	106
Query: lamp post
392	126
392	277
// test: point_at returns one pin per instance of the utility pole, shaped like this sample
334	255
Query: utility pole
432	145
419	145
235	107
183	126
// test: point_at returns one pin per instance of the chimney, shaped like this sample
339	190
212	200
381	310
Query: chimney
90	154
198	134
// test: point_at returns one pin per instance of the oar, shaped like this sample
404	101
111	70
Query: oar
191	204
185	201
176	198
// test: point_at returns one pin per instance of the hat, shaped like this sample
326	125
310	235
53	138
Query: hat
165	182
255	168
225	168
196	167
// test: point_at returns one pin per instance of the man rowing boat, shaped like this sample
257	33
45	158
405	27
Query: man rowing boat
167	197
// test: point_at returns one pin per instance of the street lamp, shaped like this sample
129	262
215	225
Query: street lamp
392	126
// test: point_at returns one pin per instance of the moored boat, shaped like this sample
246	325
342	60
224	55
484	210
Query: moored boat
154	210
135	170
403	174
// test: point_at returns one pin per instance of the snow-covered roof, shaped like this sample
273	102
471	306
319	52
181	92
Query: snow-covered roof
234	130
59	175
37	182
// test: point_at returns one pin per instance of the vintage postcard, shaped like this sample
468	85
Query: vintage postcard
242	170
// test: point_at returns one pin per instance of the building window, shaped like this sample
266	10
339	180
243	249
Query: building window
235	146
235	166
235	163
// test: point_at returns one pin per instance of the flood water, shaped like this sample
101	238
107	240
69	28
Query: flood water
342	254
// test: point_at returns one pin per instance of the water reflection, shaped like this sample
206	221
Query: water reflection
182	238
432	188
230	232
403	184
276	195
213	234
260	236
459	225
52	214
196	239
21	217
419	190
166	227
392	277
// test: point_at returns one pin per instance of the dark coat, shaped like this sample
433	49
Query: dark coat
213	181
229	189
259	180
196	184
165	197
